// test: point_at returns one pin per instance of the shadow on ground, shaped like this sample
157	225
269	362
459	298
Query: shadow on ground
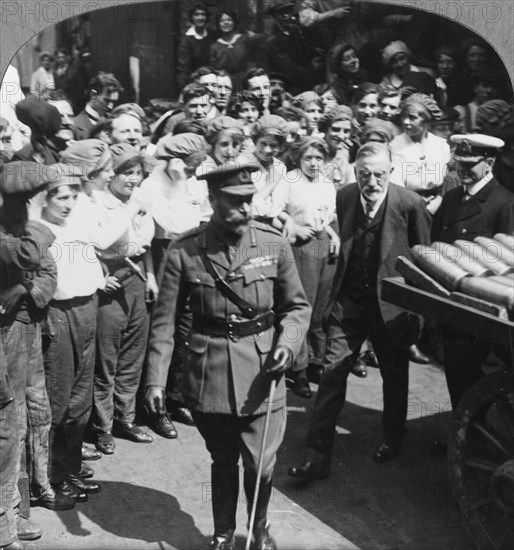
137	513
404	504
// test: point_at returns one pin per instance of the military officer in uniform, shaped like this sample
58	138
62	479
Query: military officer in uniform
481	206
250	316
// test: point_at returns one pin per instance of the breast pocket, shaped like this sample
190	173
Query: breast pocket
259	283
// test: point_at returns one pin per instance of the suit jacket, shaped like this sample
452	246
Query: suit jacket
224	375
488	212
406	222
82	125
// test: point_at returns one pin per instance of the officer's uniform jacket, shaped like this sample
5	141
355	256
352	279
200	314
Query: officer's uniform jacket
224	374
486	213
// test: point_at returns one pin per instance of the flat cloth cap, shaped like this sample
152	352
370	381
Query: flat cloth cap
122	153
25	178
88	154
180	146
233	178
474	147
42	118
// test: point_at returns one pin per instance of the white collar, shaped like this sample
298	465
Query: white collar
192	32
376	206
92	114
230	44
476	187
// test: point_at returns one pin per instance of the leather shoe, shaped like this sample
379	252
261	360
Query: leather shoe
81	484
182	415
300	384
54	500
65	488
314	373
221	542
27	530
359	368
163	426
386	451
86	472
417	356
90	454
309	470
105	443
15	545
133	433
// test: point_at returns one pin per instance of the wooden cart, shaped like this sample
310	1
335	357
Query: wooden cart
481	442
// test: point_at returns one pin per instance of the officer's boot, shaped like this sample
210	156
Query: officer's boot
225	492
262	540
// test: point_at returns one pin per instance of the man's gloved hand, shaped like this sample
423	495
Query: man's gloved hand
155	400
282	360
10	298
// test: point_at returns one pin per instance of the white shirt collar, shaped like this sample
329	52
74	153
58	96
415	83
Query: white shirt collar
192	32
476	187
376	206
230	44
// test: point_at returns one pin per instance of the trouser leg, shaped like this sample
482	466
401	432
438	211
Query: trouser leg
39	418
345	336
9	462
220	433
83	320
131	355
58	358
111	323
15	338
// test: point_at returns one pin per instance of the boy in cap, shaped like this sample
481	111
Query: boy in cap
237	343
480	206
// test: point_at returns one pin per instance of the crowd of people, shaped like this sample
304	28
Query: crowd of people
109	308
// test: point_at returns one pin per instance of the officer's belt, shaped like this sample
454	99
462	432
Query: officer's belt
234	329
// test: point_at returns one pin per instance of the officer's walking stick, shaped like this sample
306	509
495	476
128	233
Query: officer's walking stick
272	389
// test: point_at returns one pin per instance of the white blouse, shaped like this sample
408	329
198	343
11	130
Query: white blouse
309	203
422	165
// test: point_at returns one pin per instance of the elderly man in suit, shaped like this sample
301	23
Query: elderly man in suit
481	206
250	316
378	222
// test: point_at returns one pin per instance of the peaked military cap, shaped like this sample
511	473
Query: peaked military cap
475	147
233	178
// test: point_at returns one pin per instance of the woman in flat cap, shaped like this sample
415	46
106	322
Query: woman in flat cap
69	350
421	155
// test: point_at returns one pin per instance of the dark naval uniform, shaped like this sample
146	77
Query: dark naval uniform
466	215
227	356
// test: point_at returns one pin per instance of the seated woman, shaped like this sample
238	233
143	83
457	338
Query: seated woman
345	64
308	197
396	58
123	319
232	51
421	155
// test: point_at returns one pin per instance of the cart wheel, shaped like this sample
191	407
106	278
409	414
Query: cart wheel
481	461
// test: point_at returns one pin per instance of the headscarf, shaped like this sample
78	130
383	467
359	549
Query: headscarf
269	125
88	154
394	47
338	112
426	103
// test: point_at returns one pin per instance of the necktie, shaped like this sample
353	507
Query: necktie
367	212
